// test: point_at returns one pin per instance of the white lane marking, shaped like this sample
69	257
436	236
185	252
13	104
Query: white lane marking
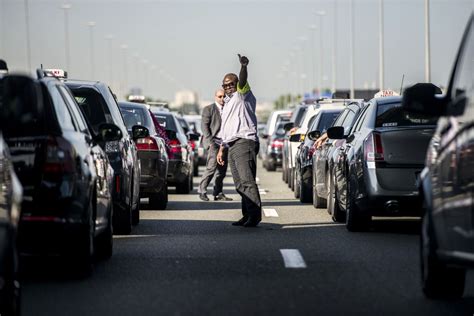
312	225
262	191
293	259
270	212
257	179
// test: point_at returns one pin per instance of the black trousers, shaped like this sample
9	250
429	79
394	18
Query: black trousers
212	167
243	165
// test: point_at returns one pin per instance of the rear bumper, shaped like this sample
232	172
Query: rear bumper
178	171
151	179
275	158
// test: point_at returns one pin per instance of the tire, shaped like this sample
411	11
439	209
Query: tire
11	302
105	242
191	183
438	280
184	187
196	170
306	191
83	256
355	221
123	221
159	201
136	214
271	166
296	185
337	215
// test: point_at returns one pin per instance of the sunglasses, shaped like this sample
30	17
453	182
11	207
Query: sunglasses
228	85
220	96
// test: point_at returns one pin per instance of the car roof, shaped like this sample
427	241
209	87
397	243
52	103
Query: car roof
133	105
387	100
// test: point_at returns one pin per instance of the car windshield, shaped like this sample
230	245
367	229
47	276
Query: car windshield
166	121
93	107
392	115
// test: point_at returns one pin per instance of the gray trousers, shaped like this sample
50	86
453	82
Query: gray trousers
243	165
211	168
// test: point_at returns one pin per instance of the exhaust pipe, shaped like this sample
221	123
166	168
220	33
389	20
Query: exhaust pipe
392	206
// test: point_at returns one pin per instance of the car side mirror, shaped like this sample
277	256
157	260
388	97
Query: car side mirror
335	132
295	138
193	136
424	98
314	135
139	131
109	132
288	126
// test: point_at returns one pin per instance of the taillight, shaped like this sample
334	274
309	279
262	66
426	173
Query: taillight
192	143
277	143
373	148
147	144
59	157
175	147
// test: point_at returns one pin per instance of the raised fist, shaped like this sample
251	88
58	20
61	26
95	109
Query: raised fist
244	61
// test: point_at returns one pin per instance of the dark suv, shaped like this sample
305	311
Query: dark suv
65	174
447	181
100	107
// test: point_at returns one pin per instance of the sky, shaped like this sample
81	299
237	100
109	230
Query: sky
166	46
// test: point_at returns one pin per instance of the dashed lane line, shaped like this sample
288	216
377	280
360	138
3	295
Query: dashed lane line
293	259
270	212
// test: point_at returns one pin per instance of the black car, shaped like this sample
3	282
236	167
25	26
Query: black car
304	162
152	154
10	207
326	156
99	106
378	168
180	167
447	181
65	174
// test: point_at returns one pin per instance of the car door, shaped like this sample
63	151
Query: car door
456	161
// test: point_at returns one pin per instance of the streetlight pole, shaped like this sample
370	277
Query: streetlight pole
66	7
320	15
145	75
27	25
312	52
91	26
334	44
427	42
109	39
124	48
352	51
381	46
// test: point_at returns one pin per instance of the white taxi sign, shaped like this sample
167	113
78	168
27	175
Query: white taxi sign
55	73
385	93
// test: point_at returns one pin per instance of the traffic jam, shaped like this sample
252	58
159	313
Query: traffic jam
77	163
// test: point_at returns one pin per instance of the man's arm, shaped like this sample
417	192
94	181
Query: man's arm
206	123
244	61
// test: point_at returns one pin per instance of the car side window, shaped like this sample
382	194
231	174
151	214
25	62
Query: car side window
463	83
348	121
341	118
360	119
64	117
73	106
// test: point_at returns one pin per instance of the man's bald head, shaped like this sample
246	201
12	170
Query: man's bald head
219	96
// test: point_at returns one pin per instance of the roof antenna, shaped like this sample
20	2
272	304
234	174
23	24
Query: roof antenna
401	86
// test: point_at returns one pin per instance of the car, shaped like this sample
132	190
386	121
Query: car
193	142
200	154
180	167
295	121
308	117
268	142
65	174
99	106
324	158
11	193
447	181
377	169
304	155
152	154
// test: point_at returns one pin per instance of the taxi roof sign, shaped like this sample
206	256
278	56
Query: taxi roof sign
385	93
58	73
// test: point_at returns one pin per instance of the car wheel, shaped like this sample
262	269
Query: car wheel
159	201
306	191
136	214
183	187
337	214
438	280
105	242
123	221
355	221
318	202
11	302
296	185
83	255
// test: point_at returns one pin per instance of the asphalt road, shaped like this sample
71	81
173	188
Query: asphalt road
189	260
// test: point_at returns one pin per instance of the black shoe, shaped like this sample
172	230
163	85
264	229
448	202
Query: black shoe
203	196
252	222
240	222
221	197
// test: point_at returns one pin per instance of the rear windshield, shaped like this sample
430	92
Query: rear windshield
166	121
93	106
392	115
135	116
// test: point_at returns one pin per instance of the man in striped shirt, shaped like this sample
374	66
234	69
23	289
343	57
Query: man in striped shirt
239	136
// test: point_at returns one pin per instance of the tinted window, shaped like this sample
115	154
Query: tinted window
93	106
326	121
73	106
341	117
62	112
135	116
300	113
166	121
392	115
